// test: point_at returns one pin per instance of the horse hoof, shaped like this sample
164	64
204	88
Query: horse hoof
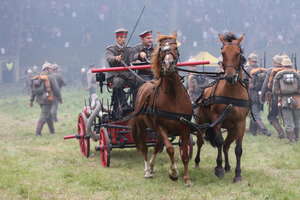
237	179
173	174
148	175
219	172
173	177
188	183
197	166
227	168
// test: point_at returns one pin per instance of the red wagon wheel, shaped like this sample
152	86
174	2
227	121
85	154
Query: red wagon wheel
190	147
84	141
105	147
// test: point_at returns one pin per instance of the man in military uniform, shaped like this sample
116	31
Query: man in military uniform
45	98
272	99
196	85
143	52
61	83
119	55
255	85
287	85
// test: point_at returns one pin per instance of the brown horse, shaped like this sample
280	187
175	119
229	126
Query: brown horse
229	89
159	105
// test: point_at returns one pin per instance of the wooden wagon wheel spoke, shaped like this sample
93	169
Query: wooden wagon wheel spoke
84	141
105	147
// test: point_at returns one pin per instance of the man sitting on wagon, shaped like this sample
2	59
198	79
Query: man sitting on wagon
119	55
142	52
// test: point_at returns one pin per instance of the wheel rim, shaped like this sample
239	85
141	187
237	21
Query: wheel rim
84	142
104	147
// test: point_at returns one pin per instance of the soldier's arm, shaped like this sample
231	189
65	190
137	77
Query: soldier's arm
264	87
32	97
62	82
135	53
109	55
55	89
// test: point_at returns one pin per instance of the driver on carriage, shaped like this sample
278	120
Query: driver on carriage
119	55
142	53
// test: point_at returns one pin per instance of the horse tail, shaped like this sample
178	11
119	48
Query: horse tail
215	139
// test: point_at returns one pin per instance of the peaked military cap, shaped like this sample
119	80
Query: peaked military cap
121	32
145	33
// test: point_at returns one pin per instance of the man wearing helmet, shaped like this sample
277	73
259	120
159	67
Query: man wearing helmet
272	99
255	84
44	89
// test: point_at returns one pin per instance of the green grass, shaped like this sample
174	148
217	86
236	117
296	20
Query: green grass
48	167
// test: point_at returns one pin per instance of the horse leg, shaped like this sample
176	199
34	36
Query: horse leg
238	154
173	171
158	148
239	132
219	170
200	142
229	139
185	158
139	136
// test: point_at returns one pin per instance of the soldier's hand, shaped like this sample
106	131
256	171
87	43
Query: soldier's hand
31	104
143	55
60	101
118	58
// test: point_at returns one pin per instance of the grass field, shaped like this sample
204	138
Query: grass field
48	167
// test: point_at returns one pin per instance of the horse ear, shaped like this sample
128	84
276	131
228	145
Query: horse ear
221	37
241	38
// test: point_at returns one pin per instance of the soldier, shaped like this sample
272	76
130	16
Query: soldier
196	85
286	85
119	55
44	89
61	83
266	95
91	81
142	53
258	75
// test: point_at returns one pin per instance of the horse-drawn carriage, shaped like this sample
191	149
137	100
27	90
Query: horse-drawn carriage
163	110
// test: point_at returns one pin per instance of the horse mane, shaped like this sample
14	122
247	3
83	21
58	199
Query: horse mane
155	62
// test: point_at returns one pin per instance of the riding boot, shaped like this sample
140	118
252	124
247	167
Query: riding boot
296	130
280	131
39	127
51	126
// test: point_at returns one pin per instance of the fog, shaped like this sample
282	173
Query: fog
74	33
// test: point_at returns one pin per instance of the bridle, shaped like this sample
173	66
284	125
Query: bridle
167	47
236	77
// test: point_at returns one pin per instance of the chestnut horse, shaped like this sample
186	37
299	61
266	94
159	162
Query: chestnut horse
159	105
229	89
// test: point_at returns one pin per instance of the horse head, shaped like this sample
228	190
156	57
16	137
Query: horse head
232	57
165	56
